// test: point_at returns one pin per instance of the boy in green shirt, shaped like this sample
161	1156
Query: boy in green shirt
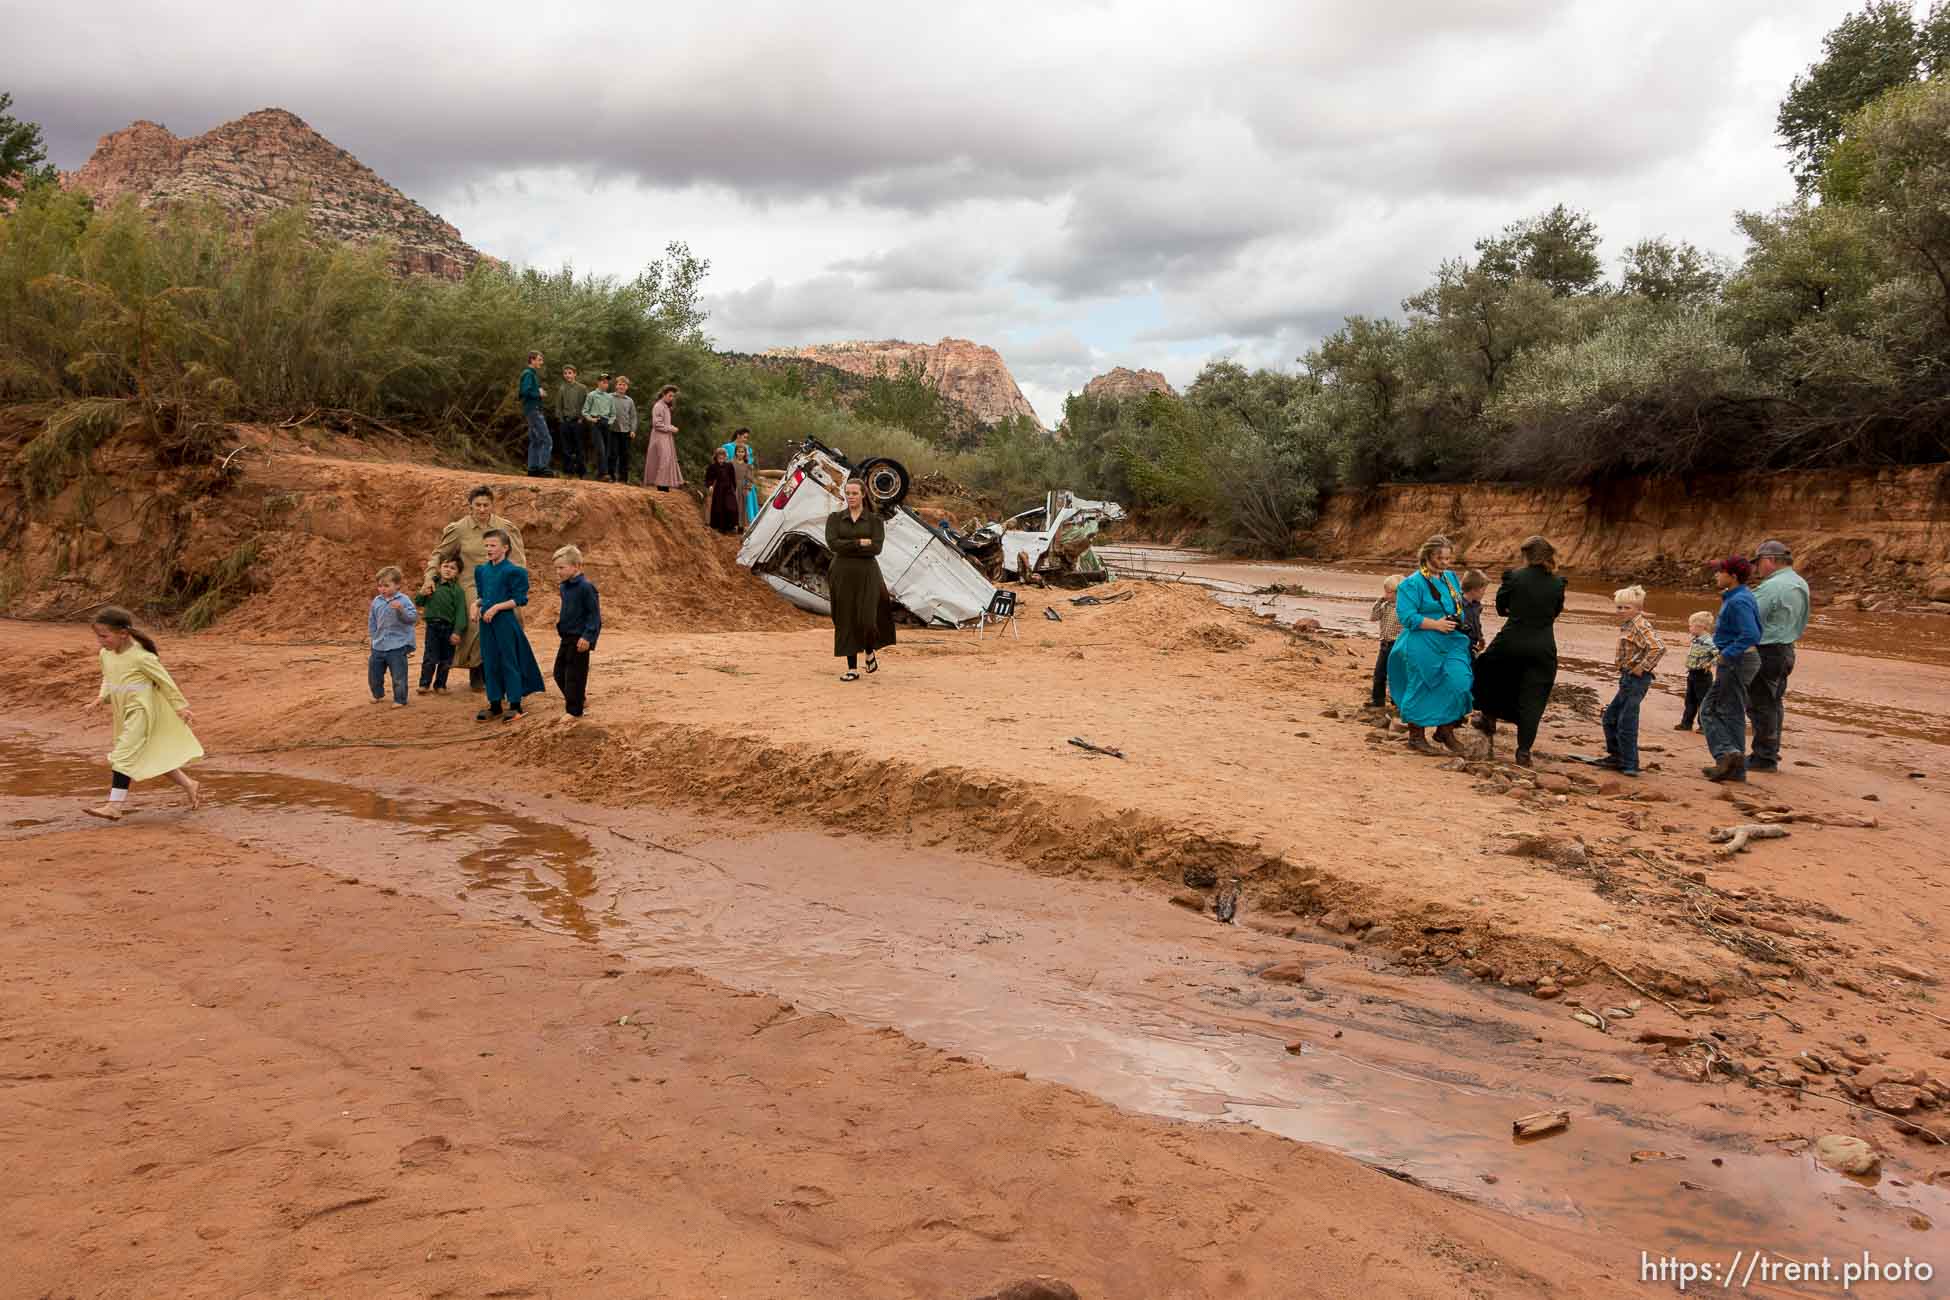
443	607
568	421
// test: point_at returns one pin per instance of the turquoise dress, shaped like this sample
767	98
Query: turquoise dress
506	658
1428	672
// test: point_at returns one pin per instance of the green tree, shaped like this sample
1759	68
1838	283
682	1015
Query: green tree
1866	55
1894	163
907	399
23	155
1660	270
1558	249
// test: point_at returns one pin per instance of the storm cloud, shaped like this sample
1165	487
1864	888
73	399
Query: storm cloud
1080	184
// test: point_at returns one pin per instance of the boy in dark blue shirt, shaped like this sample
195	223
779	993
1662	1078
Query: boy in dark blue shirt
1735	634
579	623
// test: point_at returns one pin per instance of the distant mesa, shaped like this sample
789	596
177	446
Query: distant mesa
1122	382
971	374
262	163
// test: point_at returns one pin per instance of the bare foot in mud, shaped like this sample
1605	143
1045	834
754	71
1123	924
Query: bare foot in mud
108	812
194	790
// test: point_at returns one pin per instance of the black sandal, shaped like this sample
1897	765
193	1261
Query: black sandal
873	664
849	676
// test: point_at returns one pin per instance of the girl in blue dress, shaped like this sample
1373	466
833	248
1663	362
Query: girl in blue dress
500	588
1428	670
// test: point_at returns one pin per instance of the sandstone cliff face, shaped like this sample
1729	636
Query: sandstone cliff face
1891	524
1120	381
964	372
261	163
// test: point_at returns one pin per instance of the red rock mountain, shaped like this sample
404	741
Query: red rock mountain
964	372
1121	382
261	163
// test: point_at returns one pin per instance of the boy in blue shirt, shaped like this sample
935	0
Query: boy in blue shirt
579	624
389	626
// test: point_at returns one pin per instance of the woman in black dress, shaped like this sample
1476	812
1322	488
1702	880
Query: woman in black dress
863	621
1515	675
721	481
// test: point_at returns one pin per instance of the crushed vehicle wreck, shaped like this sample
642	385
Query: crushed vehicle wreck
928	575
1053	540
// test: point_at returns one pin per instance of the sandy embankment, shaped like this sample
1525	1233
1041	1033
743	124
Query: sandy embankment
1234	767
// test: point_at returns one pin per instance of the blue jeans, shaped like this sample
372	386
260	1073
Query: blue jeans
1724	715
383	662
539	443
1622	719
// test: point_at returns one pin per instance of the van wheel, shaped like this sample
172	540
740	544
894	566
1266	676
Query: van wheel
886	481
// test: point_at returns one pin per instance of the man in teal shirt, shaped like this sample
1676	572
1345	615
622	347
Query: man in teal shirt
1783	600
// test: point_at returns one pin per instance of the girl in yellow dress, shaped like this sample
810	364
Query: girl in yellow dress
152	735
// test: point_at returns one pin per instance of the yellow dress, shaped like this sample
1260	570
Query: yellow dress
150	739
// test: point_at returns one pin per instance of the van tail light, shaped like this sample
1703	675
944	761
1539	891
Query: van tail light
787	486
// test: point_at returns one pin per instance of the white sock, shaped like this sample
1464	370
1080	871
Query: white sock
117	794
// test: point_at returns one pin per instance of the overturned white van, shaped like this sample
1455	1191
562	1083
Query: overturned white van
786	545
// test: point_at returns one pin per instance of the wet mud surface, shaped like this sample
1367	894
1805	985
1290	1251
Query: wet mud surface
1096	986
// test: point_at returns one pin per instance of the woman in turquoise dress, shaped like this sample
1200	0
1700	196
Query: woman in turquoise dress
1428	670
500	588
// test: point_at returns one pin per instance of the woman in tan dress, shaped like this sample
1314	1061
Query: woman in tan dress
466	539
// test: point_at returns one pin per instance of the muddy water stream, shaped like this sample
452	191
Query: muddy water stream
1871	675
1085	983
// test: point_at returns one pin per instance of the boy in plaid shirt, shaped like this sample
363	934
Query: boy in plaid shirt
1700	652
1639	650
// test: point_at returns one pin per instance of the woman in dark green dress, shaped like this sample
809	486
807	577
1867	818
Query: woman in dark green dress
863	621
1515	675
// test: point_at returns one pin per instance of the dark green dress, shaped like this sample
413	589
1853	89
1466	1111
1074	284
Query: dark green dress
863	620
1515	675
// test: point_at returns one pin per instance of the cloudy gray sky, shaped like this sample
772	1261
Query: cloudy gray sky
1079	184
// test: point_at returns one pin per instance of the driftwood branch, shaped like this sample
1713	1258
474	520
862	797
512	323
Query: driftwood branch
1733	839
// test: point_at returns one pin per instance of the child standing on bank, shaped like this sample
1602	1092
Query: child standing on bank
597	410
389	626
579	624
1639	651
444	607
1475	583
1390	624
151	717
1699	667
622	428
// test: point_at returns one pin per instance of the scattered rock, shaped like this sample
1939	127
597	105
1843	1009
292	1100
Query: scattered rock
1663	1034
1846	1154
1611	1078
1201	877
1034	1288
1546	989
1378	934
1335	922
1305	625
1285	972
1296	1047
1554	782
1190	902
1904	971
1896	1098
1537	1125
1642	1157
